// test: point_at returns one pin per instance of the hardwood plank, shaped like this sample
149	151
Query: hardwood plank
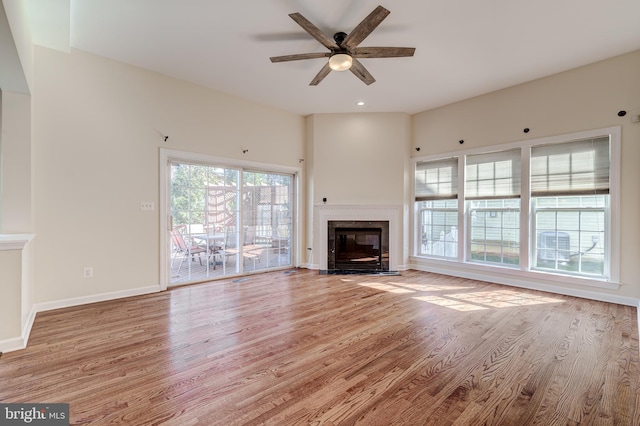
297	347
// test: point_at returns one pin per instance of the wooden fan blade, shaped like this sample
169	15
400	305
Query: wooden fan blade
383	52
314	31
300	56
361	72
364	28
321	75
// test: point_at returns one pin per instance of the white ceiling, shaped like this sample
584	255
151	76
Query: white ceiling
464	48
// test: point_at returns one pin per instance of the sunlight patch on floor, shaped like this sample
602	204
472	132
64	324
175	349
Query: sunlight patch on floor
466	301
387	287
458	305
488	299
504	298
431	287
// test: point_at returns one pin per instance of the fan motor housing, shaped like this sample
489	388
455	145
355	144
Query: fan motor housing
339	37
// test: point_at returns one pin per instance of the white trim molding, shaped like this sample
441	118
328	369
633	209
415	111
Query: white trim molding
326	213
14	241
168	155
103	297
13	344
638	314
18	343
18	242
583	288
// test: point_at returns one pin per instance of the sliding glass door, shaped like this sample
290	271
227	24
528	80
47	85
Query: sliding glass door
227	221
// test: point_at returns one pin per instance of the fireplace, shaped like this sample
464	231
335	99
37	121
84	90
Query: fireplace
358	246
347	216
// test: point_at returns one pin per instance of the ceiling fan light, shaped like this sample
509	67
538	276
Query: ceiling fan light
340	62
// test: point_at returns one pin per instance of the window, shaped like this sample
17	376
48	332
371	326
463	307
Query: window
495	231
437	203
547	205
227	221
570	199
492	189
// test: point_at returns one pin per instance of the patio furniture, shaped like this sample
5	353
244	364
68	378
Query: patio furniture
248	247
181	247
215	241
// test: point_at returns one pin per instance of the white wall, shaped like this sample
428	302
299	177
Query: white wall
582	99
97	129
358	159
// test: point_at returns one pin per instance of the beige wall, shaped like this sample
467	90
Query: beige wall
97	129
582	99
15	164
358	159
11	300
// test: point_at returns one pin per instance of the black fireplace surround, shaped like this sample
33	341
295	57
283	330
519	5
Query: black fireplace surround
358	246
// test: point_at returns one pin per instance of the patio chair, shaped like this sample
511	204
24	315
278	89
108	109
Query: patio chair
247	248
186	250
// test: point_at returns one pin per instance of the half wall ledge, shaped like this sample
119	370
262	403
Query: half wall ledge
14	241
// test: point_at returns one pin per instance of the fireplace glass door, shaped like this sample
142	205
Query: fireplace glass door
358	248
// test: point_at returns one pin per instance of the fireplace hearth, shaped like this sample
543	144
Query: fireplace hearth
358	246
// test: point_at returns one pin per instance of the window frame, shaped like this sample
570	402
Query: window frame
493	186
470	242
605	209
443	210
527	230
425	191
168	155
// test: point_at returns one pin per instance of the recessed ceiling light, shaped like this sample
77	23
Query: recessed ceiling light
360	103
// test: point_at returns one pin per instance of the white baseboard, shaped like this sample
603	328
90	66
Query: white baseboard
531	284
9	345
17	343
67	303
26	330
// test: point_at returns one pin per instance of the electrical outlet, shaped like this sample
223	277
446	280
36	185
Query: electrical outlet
87	272
146	205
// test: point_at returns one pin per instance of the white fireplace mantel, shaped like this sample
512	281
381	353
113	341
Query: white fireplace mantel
325	213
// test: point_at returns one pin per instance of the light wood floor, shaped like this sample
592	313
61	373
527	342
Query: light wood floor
297	347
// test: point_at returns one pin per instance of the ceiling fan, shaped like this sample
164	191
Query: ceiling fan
343	49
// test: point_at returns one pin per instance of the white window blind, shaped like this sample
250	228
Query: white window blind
437	180
493	175
572	168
